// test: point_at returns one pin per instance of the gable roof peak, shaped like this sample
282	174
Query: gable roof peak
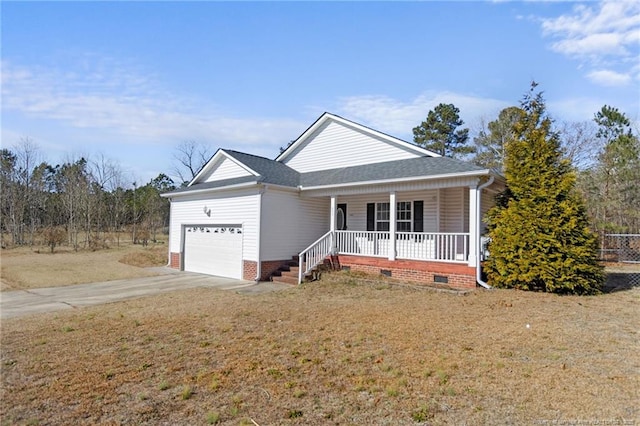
327	116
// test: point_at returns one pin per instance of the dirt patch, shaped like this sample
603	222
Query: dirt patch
26	268
329	352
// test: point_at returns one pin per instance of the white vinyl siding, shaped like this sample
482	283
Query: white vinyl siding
430	218
227	169
487	201
336	145
454	210
239	207
290	223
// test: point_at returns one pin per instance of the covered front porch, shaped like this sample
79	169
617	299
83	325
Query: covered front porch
407	233
433	246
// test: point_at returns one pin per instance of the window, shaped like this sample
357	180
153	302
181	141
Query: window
403	216
382	216
408	216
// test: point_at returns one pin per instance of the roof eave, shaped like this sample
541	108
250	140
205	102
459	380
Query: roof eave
483	172
205	190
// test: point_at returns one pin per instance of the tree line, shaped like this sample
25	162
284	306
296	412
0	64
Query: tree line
83	202
604	154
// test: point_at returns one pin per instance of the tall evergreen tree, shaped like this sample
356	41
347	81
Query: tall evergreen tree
439	132
539	232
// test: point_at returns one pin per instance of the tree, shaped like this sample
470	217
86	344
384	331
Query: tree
73	184
156	208
189	157
539	232
613	184
54	236
10	216
490	142
579	143
438	133
27	153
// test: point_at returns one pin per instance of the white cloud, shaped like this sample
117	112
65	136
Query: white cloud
606	34
110	97
574	109
400	117
592	44
609	78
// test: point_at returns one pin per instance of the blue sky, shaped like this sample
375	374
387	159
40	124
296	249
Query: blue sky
129	81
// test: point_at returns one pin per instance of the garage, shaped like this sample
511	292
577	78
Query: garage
213	250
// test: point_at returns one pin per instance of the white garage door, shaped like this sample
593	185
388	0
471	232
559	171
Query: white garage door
214	250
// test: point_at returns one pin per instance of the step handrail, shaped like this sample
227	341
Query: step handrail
315	253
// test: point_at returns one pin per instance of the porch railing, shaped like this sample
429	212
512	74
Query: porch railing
314	255
440	246
437	246
364	243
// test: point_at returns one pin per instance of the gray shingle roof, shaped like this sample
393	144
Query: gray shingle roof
277	173
398	169
271	171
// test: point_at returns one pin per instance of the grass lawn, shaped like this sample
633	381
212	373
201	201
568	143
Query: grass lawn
330	352
36	267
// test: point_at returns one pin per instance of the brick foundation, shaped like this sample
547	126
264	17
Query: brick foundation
268	267
249	267
418	272
249	270
174	260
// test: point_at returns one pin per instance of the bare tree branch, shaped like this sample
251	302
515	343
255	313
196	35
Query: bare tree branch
189	157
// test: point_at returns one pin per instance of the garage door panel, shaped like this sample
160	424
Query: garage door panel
214	250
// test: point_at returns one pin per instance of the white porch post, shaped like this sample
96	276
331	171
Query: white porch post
474	211
332	223
332	220
392	226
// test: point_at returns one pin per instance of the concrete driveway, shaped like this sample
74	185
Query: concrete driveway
24	302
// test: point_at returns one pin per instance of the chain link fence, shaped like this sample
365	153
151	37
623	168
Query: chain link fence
622	253
620	248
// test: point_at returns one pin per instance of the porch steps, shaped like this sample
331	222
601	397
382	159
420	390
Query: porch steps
288	273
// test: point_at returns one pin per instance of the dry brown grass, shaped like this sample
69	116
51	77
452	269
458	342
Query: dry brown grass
330	352
25	268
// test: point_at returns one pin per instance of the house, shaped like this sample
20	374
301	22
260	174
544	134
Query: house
376	203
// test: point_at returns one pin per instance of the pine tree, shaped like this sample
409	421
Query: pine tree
439	132
539	232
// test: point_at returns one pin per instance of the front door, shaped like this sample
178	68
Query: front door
341	217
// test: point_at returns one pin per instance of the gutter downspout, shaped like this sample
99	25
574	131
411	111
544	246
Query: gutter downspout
479	240
259	222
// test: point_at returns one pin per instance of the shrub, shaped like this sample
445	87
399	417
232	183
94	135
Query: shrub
54	236
539	232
